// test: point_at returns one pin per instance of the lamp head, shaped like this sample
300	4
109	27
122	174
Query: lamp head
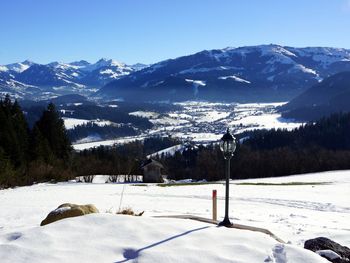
228	144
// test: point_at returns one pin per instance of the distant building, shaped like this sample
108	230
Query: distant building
152	171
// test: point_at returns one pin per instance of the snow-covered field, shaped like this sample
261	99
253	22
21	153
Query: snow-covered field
92	144
297	208
70	123
145	114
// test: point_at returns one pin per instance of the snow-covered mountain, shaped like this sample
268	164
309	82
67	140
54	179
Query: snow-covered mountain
251	73
264	72
332	95
104	71
17	67
31	80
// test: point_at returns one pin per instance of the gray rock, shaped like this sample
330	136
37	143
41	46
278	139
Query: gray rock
323	244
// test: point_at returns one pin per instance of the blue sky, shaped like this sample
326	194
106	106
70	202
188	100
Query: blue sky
152	30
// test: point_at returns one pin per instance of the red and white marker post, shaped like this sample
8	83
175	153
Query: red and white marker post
214	205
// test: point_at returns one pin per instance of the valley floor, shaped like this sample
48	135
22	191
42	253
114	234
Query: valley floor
200	122
295	208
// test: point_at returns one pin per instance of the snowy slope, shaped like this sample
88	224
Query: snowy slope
18	67
170	151
317	206
111	238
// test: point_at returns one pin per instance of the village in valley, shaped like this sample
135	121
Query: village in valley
199	121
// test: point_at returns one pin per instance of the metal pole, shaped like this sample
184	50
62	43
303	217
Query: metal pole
227	189
226	221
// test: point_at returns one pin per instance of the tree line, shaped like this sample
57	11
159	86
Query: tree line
123	159
102	132
116	115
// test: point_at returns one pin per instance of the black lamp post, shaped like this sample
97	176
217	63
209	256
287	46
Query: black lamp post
227	146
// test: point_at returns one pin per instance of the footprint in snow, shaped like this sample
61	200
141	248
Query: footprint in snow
279	254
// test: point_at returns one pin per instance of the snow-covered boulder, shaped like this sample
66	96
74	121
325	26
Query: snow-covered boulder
324	247
68	210
330	255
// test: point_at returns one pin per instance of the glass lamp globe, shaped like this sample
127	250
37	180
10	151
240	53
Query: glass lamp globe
228	144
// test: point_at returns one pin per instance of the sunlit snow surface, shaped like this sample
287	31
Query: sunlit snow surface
205	121
70	123
294	213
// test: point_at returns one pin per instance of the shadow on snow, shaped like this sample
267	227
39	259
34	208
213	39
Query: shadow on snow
130	253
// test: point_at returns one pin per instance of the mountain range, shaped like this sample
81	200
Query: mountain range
254	73
32	80
251	73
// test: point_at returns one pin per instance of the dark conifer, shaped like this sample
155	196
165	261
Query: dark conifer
52	127
39	147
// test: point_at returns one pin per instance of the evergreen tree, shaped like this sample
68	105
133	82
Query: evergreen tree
39	147
51	126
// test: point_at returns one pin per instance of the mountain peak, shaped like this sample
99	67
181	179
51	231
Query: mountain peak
28	62
101	60
20	66
109	62
80	63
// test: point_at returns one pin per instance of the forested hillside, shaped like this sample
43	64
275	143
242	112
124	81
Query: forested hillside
329	96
